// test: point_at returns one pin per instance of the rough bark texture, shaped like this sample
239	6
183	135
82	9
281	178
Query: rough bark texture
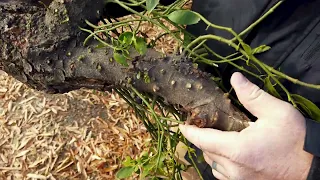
42	47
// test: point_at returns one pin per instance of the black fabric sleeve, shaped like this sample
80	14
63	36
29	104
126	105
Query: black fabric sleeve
204	168
314	173
312	139
312	145
113	10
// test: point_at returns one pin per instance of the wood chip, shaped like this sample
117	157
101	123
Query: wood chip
36	176
10	168
3	90
22	153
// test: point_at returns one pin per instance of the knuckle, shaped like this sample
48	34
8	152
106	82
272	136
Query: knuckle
236	153
207	157
255	93
287	106
199	142
287	111
241	154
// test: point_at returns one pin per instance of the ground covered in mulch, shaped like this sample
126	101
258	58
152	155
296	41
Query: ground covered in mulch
81	134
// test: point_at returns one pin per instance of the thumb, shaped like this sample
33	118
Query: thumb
254	99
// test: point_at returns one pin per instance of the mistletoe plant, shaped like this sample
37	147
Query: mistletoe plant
160	117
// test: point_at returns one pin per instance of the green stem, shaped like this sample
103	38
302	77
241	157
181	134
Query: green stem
220	61
271	10
198	46
136	3
160	140
124	22
172	6
291	79
228	29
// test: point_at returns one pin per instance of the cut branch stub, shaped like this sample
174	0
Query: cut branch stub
42	47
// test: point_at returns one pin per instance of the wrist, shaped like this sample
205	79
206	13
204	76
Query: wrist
308	164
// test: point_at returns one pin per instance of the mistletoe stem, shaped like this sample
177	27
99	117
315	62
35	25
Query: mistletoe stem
270	11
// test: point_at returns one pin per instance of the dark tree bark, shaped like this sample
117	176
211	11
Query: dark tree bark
41	46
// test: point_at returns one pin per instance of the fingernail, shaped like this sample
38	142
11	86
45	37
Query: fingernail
240	80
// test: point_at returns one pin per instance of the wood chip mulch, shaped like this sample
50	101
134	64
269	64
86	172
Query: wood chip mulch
79	135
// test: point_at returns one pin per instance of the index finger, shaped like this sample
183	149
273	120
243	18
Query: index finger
211	140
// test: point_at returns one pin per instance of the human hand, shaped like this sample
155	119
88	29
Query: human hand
270	148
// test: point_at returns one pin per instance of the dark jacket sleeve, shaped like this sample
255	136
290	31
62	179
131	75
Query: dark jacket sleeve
314	173
312	145
312	139
113	10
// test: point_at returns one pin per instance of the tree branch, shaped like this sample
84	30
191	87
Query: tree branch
42	47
